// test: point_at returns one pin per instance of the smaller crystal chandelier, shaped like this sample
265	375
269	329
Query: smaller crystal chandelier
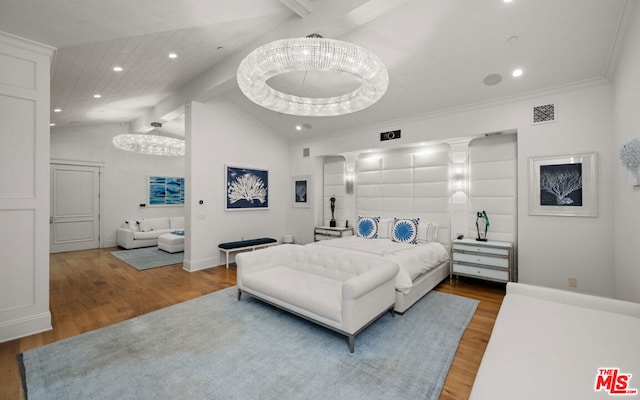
312	53
150	144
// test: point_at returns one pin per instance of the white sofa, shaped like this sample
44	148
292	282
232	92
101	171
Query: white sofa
342	291
135	233
551	344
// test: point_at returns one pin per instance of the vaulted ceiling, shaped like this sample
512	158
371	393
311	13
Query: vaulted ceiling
438	53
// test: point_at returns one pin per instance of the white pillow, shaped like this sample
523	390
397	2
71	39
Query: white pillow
130	224
145	226
384	228
428	232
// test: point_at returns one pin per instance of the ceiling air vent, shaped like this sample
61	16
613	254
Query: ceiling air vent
305	152
544	113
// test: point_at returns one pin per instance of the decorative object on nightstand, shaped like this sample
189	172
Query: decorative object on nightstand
489	260
332	223
330	232
482	223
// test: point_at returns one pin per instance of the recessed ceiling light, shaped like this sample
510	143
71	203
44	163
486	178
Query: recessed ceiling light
97	96
52	124
298	127
117	69
517	72
57	109
507	1
173	55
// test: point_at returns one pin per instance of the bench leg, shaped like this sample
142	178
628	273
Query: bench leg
227	253
351	343
239	294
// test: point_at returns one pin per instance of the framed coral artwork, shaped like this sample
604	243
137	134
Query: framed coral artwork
246	188
564	185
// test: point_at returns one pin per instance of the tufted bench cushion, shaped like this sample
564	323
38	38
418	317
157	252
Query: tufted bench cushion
244	245
336	289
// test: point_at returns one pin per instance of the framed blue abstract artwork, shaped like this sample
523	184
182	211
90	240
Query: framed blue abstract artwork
246	188
166	191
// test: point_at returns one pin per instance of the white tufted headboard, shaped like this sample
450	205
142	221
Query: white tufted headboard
406	183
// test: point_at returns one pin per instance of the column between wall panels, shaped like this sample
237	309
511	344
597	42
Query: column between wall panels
459	187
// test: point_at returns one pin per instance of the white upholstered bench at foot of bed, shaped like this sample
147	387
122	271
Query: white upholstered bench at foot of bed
422	285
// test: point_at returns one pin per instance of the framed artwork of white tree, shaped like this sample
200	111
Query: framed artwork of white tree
246	188
564	185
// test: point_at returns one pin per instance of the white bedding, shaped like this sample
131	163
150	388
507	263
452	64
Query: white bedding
413	259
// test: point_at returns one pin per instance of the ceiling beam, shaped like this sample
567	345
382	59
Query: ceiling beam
331	18
300	7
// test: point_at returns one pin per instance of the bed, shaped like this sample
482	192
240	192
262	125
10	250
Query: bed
423	265
554	344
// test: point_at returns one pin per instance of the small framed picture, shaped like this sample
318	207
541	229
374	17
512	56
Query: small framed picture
564	185
301	191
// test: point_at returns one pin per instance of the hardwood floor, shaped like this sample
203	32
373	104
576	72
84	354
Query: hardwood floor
92	289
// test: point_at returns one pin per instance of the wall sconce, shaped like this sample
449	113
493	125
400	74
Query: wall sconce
630	158
349	177
459	177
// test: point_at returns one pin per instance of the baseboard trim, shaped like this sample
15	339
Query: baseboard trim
197	265
27	326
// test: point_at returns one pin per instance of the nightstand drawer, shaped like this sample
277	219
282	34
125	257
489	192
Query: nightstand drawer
480	259
502	275
481	249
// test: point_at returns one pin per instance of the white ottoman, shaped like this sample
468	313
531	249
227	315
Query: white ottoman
171	242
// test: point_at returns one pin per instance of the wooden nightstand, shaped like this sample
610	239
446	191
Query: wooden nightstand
490	260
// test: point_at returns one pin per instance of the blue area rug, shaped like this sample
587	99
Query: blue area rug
148	257
215	347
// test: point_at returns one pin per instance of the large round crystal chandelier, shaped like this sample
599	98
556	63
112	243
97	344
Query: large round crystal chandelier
150	144
312	53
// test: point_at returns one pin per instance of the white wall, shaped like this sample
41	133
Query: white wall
218	135
550	249
626	103
124	174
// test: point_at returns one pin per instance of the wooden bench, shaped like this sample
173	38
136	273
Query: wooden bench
243	245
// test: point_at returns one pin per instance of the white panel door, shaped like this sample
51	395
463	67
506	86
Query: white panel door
75	207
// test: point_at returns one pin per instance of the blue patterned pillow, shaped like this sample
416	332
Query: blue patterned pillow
405	230
368	227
